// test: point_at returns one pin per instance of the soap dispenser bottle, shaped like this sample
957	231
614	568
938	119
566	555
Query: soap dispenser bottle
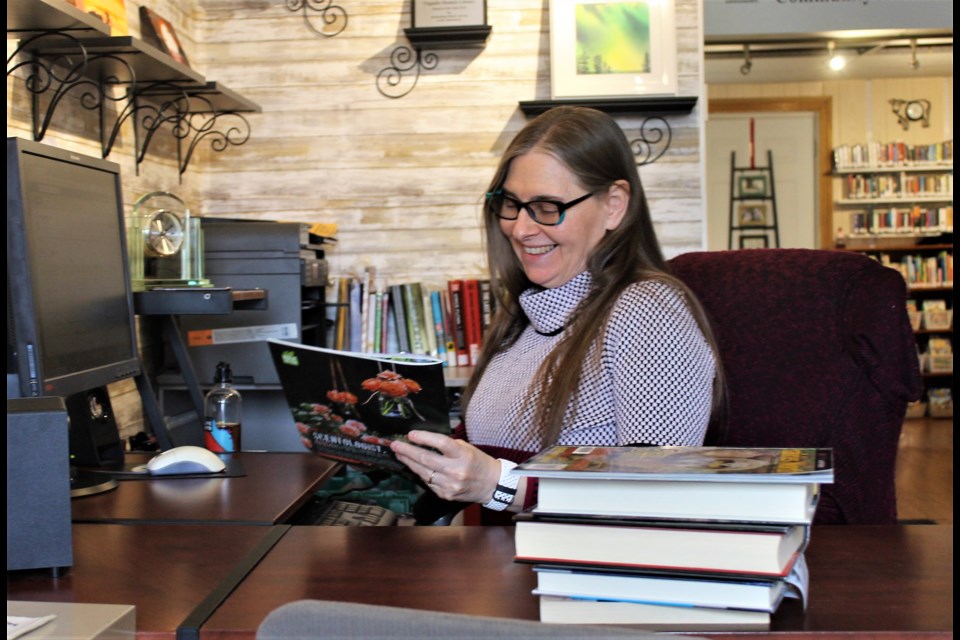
222	408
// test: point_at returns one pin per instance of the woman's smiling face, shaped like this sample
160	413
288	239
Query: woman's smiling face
552	255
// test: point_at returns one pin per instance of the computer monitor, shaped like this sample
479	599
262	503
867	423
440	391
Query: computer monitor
70	321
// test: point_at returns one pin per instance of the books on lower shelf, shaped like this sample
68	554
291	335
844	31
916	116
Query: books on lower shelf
604	551
446	321
690	483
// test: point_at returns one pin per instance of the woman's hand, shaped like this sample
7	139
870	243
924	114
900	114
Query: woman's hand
455	471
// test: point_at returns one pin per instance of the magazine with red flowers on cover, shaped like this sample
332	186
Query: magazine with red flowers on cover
349	406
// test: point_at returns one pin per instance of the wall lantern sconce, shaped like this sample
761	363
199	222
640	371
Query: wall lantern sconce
437	25
333	18
908	111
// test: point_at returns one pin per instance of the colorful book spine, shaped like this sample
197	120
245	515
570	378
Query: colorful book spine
413	304
457	312
473	329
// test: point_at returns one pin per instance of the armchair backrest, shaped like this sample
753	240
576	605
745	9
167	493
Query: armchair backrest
818	351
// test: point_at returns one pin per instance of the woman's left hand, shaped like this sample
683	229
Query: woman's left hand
457	470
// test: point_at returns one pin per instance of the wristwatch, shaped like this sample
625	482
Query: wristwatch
506	490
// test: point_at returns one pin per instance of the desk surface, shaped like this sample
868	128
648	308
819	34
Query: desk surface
863	579
274	487
166	571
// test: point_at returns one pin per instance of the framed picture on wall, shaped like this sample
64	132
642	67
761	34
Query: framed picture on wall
753	242
612	48
752	214
112	12
451	13
158	31
753	186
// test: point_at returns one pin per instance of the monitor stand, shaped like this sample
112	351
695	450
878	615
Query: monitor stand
89	483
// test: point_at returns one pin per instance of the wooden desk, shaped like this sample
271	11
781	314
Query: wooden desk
274	487
166	571
864	580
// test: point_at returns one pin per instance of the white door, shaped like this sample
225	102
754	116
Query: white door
792	138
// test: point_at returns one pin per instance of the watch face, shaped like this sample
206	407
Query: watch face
163	234
914	110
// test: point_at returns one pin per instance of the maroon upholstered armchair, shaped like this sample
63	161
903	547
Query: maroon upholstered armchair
818	352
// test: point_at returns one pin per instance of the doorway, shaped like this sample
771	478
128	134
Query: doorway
801	129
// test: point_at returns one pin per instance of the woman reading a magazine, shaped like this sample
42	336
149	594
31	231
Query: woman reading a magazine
594	343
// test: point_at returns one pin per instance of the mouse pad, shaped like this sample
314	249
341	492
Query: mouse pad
134	471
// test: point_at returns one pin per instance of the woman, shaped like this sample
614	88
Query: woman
593	343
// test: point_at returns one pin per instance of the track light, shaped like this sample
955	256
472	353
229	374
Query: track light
913	54
747	64
835	60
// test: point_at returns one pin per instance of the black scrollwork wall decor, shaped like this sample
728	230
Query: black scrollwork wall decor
322	16
56	64
653	141
399	79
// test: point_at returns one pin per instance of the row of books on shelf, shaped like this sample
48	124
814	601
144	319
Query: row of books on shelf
898	186
672	538
886	154
446	322
902	220
922	271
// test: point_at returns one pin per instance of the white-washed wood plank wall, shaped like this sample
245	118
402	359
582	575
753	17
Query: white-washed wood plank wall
402	178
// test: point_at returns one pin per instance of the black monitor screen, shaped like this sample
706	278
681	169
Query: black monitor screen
68	285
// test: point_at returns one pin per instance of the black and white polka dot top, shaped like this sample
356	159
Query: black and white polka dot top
653	382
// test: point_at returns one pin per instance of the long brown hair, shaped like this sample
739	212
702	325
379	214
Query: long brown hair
592	145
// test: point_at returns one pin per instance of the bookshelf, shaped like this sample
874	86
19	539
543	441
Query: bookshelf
927	266
898	200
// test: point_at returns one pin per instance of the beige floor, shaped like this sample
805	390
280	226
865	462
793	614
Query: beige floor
925	470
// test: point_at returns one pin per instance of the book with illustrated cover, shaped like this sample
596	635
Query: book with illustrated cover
681	483
700	464
349	406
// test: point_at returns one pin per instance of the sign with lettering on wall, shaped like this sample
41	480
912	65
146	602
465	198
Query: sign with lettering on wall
449	13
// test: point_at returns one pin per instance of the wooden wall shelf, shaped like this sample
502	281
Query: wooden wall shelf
652	106
63	50
472	37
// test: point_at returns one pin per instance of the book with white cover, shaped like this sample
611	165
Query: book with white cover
653	617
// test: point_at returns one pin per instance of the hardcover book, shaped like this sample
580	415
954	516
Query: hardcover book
669	590
759	551
349	406
687	483
653	617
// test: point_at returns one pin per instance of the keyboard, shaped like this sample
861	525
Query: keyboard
339	513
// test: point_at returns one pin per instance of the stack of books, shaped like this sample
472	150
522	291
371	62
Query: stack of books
672	538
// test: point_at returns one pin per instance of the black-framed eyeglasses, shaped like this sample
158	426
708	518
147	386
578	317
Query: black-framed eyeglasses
546	212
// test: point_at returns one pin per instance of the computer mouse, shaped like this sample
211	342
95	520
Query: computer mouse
185	459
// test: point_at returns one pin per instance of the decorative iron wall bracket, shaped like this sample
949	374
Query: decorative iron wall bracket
333	18
655	133
404	60
66	51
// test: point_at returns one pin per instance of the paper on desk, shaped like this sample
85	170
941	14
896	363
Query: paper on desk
19	625
798	582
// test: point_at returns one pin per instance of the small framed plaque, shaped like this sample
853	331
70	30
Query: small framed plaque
449	13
